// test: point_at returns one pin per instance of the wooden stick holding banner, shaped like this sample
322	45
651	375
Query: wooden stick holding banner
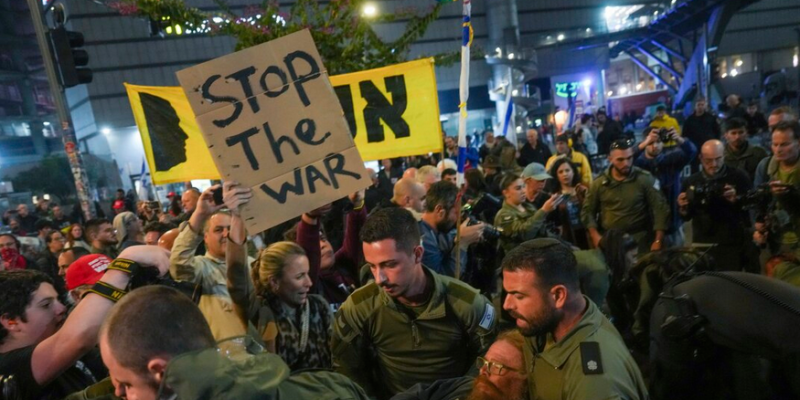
272	122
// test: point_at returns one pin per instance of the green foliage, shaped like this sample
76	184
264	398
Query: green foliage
58	179
344	37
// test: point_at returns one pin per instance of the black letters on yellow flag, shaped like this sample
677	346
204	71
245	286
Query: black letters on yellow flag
394	111
391	112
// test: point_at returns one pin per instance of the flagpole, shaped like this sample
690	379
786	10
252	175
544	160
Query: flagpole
463	90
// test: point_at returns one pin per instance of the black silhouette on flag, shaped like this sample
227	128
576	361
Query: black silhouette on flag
167	138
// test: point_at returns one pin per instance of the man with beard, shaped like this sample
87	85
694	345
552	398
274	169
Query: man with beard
502	376
101	236
626	198
572	350
411	325
210	226
438	227
739	153
718	218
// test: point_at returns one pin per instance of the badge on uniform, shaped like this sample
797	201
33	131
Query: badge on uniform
488	317
590	358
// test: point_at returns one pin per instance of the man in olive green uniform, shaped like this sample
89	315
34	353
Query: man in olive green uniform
518	218
411	325
782	171
739	153
628	199
180	359
572	351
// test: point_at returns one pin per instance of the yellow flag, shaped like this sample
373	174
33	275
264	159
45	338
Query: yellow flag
394	110
173	144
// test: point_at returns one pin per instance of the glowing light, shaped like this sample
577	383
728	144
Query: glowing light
514	92
724	75
178	30
588	30
370	10
638	86
45	123
794	60
739	63
510	56
105	131
734	72
610	93
623	90
560	37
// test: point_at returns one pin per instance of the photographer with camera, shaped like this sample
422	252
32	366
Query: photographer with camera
438	228
40	346
666	166
780	230
710	201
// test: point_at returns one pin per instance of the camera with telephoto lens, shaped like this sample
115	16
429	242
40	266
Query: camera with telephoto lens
702	194
663	135
490	232
757	198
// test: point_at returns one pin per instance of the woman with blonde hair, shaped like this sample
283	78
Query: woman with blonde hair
275	296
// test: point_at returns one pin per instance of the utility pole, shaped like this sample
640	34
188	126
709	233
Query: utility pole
67	132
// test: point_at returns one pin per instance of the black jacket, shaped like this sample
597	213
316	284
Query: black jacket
719	221
701	129
527	154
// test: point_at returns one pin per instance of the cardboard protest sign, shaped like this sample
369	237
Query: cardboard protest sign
173	144
272	122
393	111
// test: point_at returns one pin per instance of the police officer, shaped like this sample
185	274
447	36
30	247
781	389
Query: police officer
571	351
519	219
626	198
411	325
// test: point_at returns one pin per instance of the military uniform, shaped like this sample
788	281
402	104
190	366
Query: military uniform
519	226
635	206
746	159
387	347
593	274
590	362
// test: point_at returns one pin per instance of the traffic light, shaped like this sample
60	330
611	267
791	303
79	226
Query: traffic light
70	57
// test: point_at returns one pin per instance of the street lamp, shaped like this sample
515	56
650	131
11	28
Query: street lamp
370	10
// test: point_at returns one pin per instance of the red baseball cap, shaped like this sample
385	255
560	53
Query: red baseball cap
86	270
119	204
170	195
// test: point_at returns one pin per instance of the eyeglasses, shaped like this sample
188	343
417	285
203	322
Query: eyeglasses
622	144
493	368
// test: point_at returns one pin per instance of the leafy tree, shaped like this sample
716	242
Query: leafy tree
52	176
344	37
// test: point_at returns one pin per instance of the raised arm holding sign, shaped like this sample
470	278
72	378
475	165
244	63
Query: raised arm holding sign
272	122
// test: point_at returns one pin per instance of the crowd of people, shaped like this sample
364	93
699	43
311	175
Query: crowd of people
543	277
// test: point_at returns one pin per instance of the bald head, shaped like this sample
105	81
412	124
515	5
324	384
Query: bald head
410	173
712	156
712	148
409	193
